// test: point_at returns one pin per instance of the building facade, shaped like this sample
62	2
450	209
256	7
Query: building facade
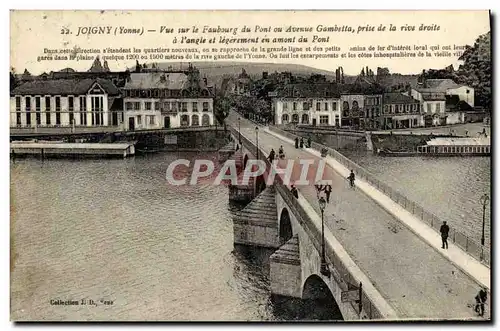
401	112
64	103
155	100
433	106
306	104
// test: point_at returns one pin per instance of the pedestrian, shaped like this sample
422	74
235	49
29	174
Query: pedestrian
271	155
328	191
351	178
481	298
309	142
302	143
296	142
445	229
295	192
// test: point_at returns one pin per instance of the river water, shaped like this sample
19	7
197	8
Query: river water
449	187
115	230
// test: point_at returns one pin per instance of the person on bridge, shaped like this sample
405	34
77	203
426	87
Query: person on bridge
272	155
309	142
351	178
296	142
328	191
301	142
445	229
294	191
481	298
281	152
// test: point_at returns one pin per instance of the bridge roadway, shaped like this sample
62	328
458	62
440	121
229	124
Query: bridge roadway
417	281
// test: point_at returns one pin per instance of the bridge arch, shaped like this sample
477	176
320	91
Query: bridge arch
285	230
317	294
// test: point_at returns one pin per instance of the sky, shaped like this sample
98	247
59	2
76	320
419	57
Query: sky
34	31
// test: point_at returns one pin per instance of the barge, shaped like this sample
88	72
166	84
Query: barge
480	146
62	149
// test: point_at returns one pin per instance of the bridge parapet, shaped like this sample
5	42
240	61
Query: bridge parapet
340	271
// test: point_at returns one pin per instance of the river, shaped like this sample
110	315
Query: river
115	230
449	187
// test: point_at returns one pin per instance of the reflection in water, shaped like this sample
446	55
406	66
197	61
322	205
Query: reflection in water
116	230
449	187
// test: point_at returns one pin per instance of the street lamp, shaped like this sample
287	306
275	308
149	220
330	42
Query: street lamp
324	267
484	201
257	140
239	131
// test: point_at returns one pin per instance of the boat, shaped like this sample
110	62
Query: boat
459	146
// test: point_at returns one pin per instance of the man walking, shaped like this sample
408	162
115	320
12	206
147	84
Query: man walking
351	178
296	142
328	191
295	192
481	298
445	229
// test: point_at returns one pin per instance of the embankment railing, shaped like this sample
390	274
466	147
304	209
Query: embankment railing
466	243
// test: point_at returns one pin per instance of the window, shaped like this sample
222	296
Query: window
129	105
83	110
184	106
47	110
18	103
295	118
151	120
334	108
156	94
326	105
318	106
195	120
285	105
37	110
284	118
386	109
294	106
323	119
28	110
18	118
397	108
195	106
71	109
345	109
407	108
139	119
205	106
58	110
305	105
137	105
147	105
355	105
429	108
157	105
438	107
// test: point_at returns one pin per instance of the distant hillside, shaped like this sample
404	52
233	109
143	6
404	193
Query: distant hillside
217	71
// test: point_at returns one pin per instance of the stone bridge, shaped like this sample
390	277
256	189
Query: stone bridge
276	219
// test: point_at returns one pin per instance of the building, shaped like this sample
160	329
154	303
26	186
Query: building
362	103
439	97
161	99
308	104
401	112
65	103
241	85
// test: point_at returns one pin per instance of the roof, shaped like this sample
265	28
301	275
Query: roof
453	103
64	87
479	141
437	85
394	97
307	90
153	80
362	85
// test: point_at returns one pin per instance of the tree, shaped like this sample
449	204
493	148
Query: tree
13	79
